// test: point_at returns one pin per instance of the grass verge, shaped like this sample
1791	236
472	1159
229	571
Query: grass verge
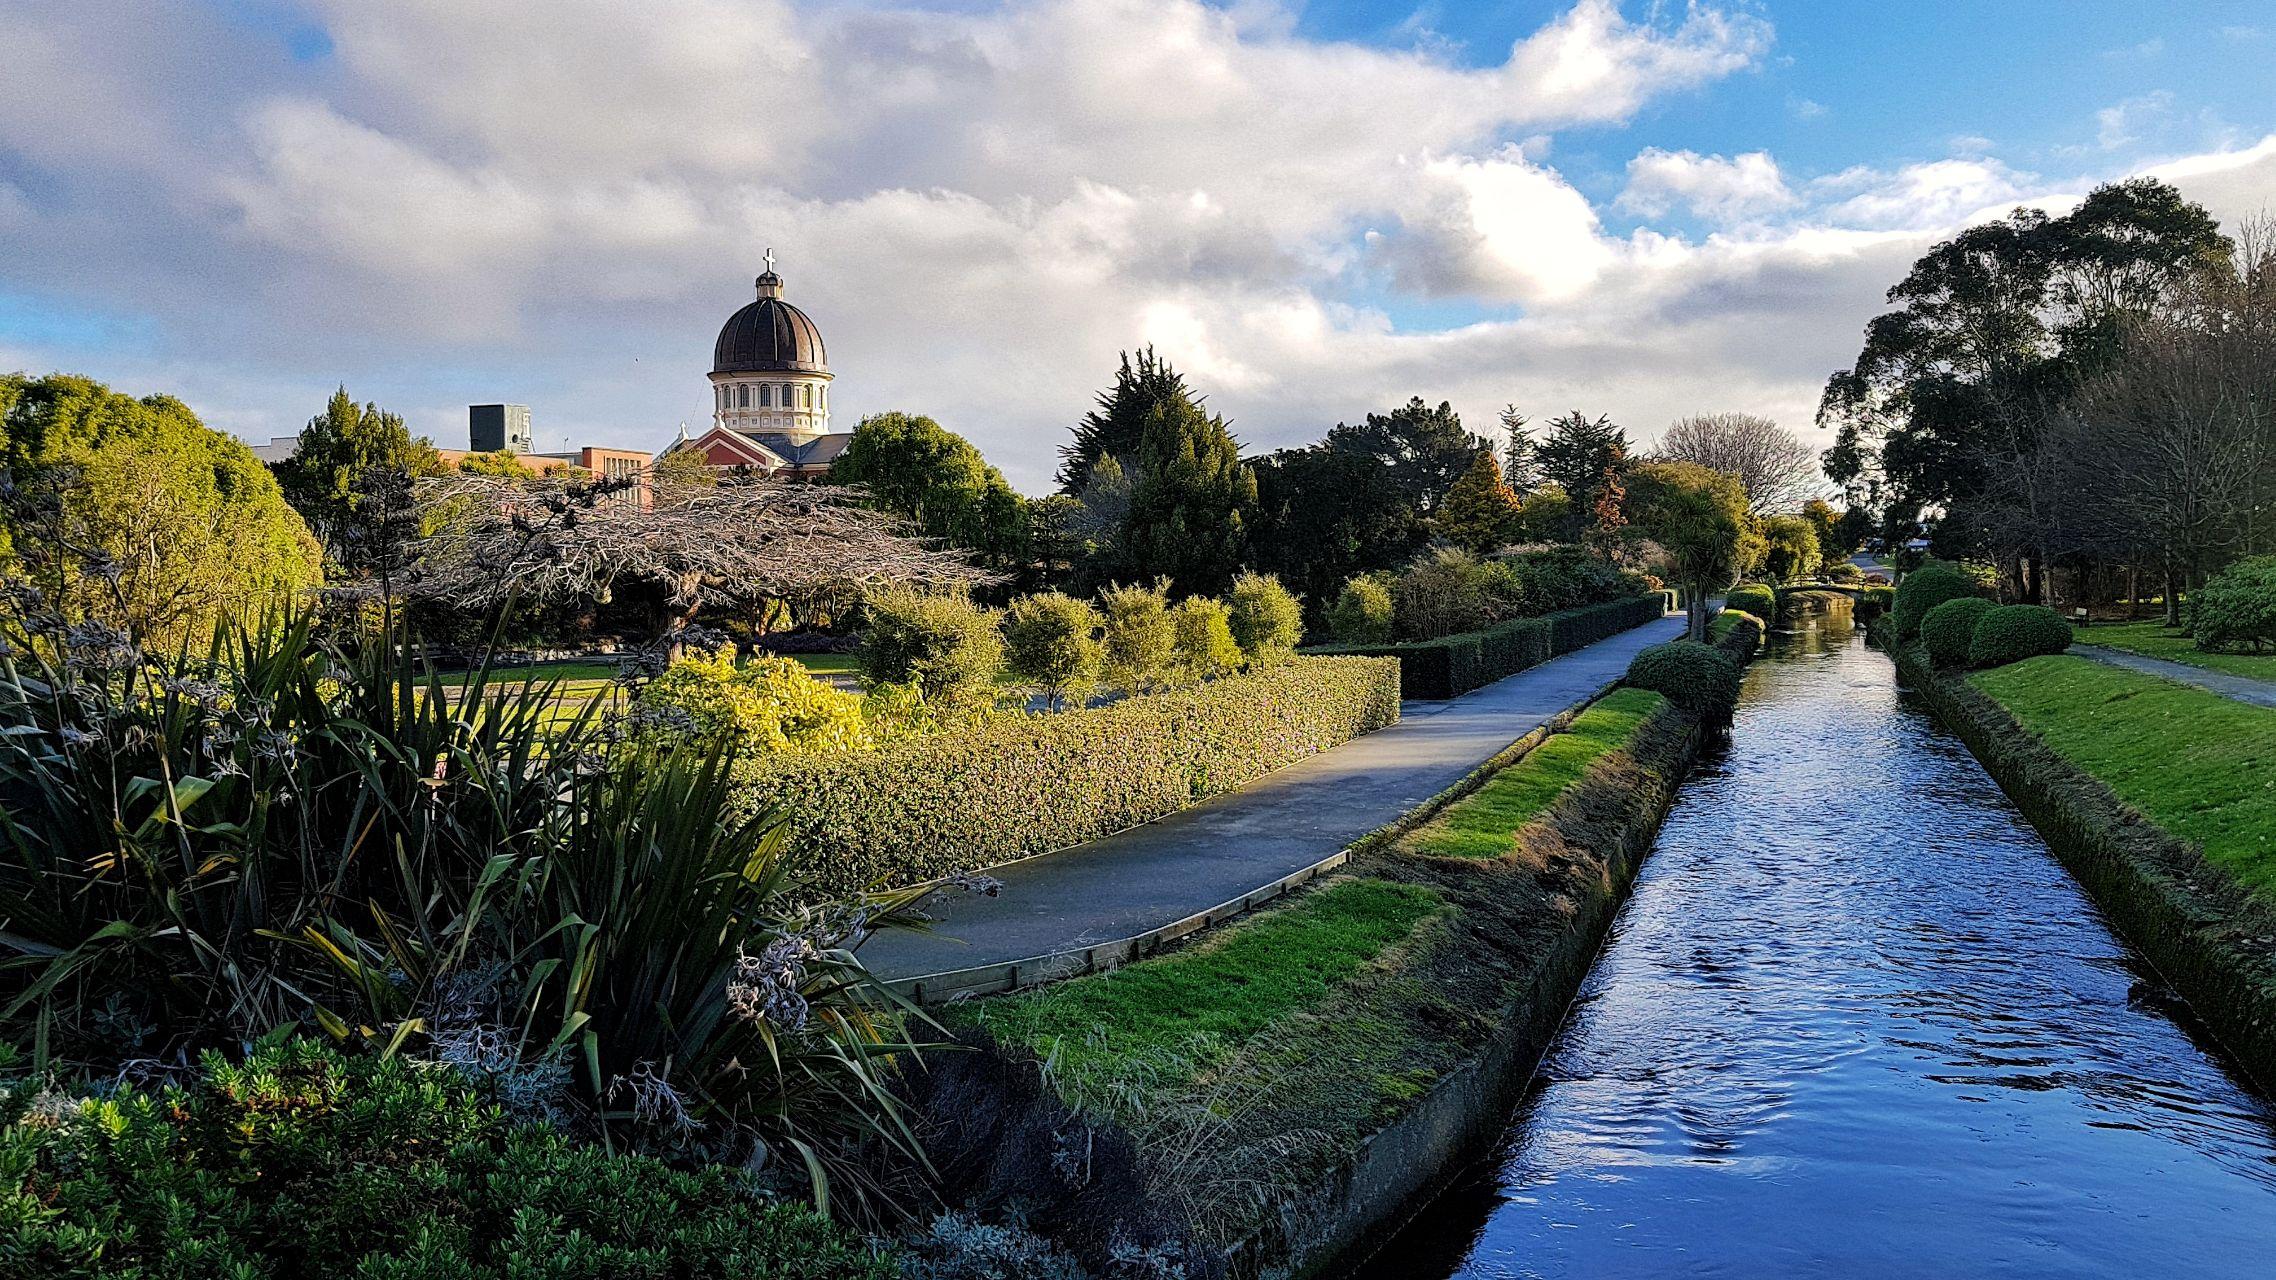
1485	823
2195	763
2154	639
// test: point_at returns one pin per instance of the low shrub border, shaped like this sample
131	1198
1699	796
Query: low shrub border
1009	787
1289	1136
1454	665
2205	932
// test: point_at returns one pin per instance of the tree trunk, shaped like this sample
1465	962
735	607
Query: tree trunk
1695	614
2172	595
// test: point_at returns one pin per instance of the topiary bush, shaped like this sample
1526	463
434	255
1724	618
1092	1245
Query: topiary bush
1950	629
1051	642
1754	598
1205	648
767	704
1267	619
1362	612
995	788
2011	633
944	645
1922	590
1699	678
303	1161
2236	609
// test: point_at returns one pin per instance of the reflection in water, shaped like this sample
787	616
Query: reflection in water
1856	1019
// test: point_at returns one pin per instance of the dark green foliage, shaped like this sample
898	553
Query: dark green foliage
1167	492
1949	630
350	477
306	1162
1754	598
1582	456
1874	600
1422	450
1699	678
917	469
1010	785
1325	516
2011	633
2236	609
1456	664
1922	590
1143	387
1566	576
944	646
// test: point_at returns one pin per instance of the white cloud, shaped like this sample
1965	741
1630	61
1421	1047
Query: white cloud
2122	124
1937	193
1725	189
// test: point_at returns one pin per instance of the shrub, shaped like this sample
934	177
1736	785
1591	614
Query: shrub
1361	613
1950	629
1737	633
2011	633
303	1161
1141	636
1754	598
1205	647
1564	576
1450	592
945	646
768	704
1454	665
1267	619
993	789
1699	678
1845	572
2236	609
1922	590
1050	641
1874	601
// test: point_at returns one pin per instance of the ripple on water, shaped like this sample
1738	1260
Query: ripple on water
1855	1017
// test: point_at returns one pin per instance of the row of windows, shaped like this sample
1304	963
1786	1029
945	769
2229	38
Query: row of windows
796	395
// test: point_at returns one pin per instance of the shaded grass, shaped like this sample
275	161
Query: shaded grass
2154	639
1221	993
2201	766
1484	823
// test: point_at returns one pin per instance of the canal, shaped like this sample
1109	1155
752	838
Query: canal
1856	1019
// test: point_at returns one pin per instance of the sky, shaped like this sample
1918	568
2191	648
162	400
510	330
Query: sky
1315	210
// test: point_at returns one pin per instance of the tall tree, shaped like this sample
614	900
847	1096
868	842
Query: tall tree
912	466
1578	456
1699	517
134	513
1141	387
1521	463
1424	449
1327	515
350	476
1176	502
1480	511
1776	469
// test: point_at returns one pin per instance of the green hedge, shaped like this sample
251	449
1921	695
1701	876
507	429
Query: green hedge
1451	665
1737	633
2011	633
1949	629
1922	590
1754	598
1008	786
1700	678
302	1161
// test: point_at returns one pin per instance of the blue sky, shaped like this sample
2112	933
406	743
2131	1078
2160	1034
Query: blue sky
1314	209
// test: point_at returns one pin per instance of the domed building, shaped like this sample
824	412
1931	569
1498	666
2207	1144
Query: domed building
770	390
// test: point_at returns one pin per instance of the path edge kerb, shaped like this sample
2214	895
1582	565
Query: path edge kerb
1003	976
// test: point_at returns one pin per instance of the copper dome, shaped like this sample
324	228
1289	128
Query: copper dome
769	336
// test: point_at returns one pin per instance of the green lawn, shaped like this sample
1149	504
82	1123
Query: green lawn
1210	998
2199	765
1483	823
2154	639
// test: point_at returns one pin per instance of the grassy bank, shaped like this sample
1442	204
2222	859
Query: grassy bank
2157	797
2156	640
1255	1070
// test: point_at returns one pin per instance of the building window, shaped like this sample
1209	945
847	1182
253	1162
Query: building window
766	395
742	397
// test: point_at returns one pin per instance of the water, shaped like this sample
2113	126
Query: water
1857	1021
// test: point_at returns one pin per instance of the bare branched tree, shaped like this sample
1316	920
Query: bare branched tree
747	539
1778	472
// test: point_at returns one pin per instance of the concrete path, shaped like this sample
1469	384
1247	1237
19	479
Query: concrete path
2242	688
1281	826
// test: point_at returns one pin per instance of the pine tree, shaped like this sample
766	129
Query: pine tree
1112	430
1480	511
1521	462
1578	455
350	478
1176	502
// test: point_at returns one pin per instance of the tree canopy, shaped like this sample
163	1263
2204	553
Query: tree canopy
1174	503
1327	515
134	513
1481	510
1583	456
1699	518
1423	449
1776	469
350	477
917	469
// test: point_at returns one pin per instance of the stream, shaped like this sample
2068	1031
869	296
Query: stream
1857	1020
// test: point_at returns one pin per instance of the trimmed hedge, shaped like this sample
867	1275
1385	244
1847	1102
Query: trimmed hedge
1922	590
1737	633
1700	678
1451	665
1949	629
1754	598
1008	786
303	1161
2014	632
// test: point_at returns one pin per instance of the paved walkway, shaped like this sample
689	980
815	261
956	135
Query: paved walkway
2242	688
1152	876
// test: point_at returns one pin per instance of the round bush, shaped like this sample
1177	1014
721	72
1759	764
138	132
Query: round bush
1050	641
945	645
1267	619
1950	628
2237	608
1922	590
1753	598
2014	632
1697	677
1362	614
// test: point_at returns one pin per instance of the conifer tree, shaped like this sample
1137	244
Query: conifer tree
1176	503
1480	511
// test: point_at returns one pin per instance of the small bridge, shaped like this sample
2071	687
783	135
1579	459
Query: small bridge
1855	591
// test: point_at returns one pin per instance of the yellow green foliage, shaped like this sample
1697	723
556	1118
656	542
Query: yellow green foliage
1205	645
766	704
